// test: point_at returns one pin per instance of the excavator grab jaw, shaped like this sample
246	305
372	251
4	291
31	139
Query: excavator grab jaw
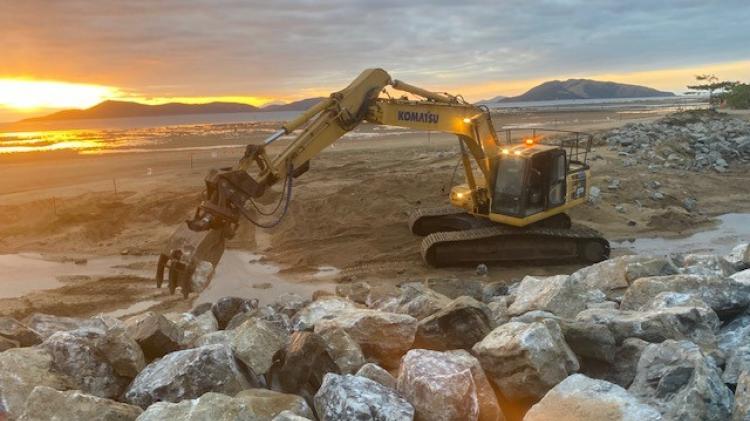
189	259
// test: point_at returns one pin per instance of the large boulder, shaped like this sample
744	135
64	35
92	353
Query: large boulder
256	341
382	336
562	295
47	325
345	351
739	257
267	404
6	344
100	363
438	387
21	370
706	265
741	411
659	266
358	292
742	277
585	338
377	373
734	333
267	313
676	378
738	361
301	366
608	276
459	325
46	403
326	307
156	335
290	303
579	398
347	397
16	331
698	324
251	405
219	337
227	307
525	360
419	301
188	374
621	370
499	313
725	296
193	327
489	407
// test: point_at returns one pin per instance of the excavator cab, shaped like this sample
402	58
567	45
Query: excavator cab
528	182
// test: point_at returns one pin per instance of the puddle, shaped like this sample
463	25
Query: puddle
326	272
733	228
239	271
23	273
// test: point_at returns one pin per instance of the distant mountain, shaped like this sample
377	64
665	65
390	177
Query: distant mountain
301	105
491	100
124	109
585	89
121	109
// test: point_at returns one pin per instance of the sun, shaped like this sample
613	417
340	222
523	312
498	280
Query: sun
28	95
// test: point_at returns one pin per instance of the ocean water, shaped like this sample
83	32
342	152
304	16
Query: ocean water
216	131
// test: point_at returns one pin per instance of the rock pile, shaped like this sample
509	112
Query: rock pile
691	140
632	338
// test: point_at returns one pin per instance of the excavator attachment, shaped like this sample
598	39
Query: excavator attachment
189	258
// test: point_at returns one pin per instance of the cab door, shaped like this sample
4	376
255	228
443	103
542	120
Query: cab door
557	179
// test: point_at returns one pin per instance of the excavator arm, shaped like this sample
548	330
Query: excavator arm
196	247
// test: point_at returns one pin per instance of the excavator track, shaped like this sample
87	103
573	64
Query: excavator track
500	243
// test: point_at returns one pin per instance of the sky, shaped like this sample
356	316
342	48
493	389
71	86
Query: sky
282	50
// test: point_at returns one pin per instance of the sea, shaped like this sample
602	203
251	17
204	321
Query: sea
142	134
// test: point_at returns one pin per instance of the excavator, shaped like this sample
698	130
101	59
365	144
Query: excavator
511	208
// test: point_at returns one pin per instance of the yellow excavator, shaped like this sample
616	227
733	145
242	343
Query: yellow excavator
512	207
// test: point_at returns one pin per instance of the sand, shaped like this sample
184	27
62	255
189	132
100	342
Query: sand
349	211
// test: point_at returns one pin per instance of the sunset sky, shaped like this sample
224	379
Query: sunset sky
75	53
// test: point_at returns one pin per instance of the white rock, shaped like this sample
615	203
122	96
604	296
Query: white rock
561	295
724	295
380	335
676	378
188	374
579	398
316	311
350	397
21	370
439	387
256	341
46	403
526	360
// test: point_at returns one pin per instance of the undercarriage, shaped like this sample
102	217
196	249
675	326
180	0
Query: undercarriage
454	237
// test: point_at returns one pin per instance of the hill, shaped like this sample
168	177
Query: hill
491	100
120	109
293	106
124	109
585	89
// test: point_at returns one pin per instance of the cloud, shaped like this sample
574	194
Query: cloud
290	48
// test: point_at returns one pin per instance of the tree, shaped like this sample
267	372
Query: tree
739	96
712	84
